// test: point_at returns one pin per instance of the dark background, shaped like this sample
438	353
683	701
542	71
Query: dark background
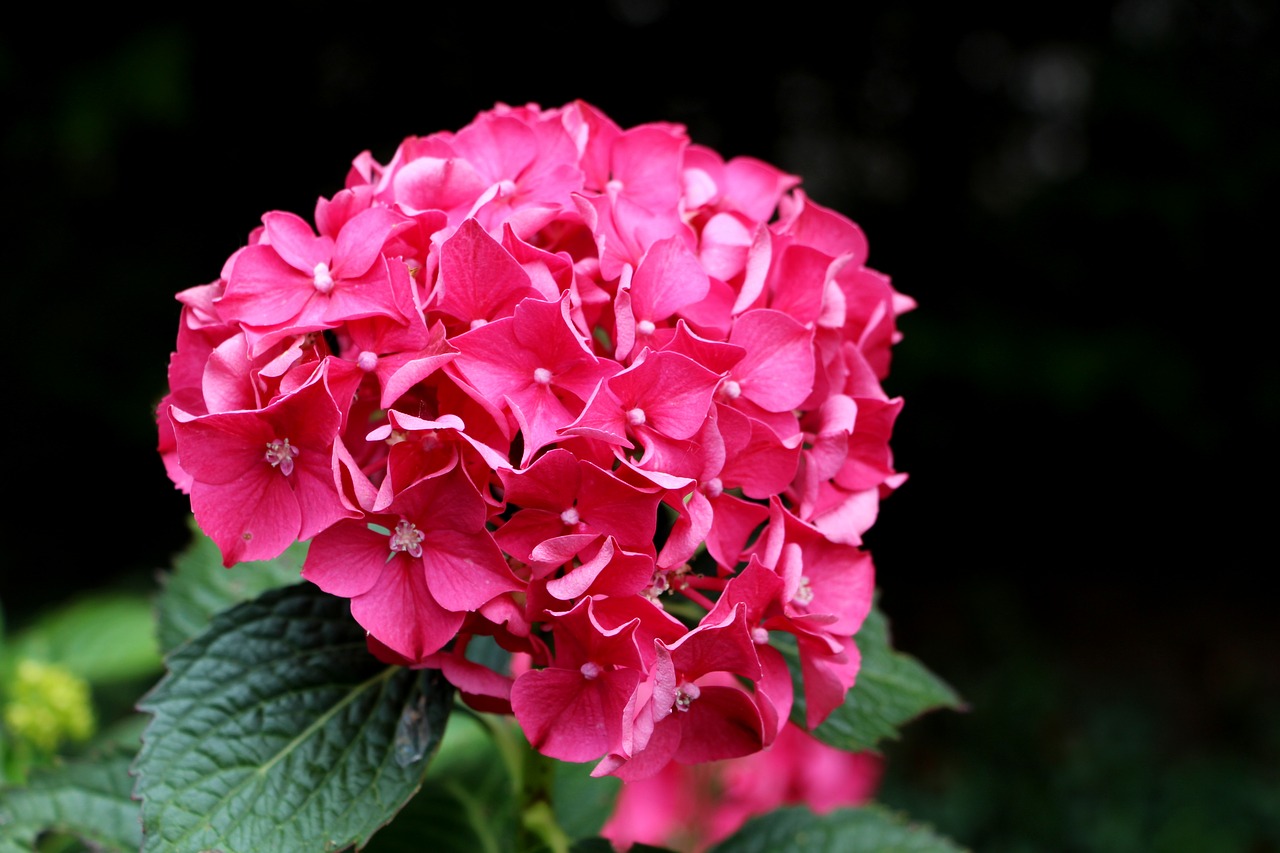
1080	197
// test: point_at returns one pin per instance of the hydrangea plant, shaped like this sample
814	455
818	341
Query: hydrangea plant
573	431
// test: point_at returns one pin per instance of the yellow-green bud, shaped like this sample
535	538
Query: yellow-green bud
48	705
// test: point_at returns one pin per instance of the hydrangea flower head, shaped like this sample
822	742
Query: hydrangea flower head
598	393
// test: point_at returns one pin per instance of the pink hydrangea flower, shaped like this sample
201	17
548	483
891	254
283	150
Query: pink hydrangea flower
597	393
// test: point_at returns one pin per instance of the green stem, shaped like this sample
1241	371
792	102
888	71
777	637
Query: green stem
540	829
532	775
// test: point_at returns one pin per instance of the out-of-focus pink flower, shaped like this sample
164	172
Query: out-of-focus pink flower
689	807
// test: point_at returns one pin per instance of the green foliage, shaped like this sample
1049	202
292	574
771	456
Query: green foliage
88	799
199	586
75	666
892	689
101	638
581	802
867	828
275	729
604	845
469	801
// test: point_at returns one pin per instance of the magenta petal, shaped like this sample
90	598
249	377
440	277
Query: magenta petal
566	715
723	722
347	559
777	373
827	676
433	183
220	448
673	392
360	241
561	549
479	280
253	518
294	241
465	570
402	613
668	278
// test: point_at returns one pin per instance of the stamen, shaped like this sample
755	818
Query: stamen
685	694
658	584
322	279
281	455
407	538
804	593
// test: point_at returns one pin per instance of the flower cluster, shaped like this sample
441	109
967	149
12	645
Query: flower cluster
596	395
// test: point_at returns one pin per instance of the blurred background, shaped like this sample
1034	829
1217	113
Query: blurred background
1077	195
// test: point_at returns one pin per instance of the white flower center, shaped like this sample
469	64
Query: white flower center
731	389
635	416
281	455
570	516
321	278
407	538
804	592
542	376
645	327
589	670
367	361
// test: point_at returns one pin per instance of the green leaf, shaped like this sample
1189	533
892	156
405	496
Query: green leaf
102	638
468	804
604	845
199	586
88	798
277	730
892	689
582	803
447	817
866	828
